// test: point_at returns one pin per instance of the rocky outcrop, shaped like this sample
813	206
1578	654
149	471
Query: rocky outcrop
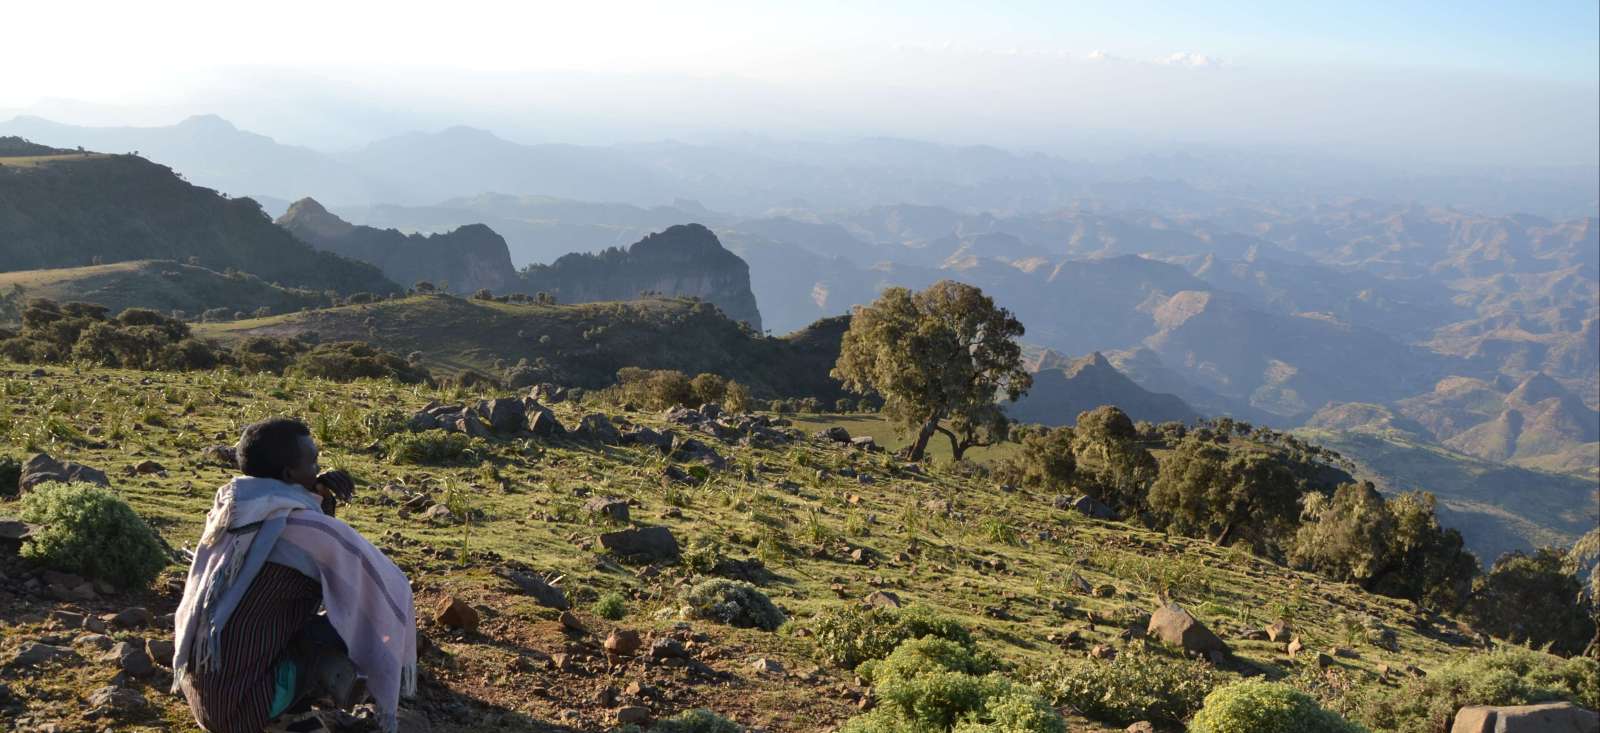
683	260
465	260
1555	717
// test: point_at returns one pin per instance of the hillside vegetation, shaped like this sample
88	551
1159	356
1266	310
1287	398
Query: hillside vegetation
161	285
581	345
1041	593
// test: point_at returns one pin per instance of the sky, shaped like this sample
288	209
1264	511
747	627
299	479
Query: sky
1480	83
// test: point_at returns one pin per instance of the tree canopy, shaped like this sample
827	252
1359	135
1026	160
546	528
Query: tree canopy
939	358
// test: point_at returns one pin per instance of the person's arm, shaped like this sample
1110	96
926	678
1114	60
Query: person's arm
334	487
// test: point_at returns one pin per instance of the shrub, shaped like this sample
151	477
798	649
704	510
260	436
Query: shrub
89	530
432	447
1533	599
350	360
10	475
266	354
656	389
1266	707
1508	676
698	720
709	388
611	606
737	399
1138	684
935	684
850	635
734	602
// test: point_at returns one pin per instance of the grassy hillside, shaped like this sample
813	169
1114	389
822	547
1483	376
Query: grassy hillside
1497	507
579	345
77	210
163	285
1005	563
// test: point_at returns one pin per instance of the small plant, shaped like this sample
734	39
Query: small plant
1138	684
1266	707
735	603
91	531
433	447
934	684
698	720
1508	676
849	635
611	606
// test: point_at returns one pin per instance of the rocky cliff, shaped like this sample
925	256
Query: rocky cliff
682	260
464	260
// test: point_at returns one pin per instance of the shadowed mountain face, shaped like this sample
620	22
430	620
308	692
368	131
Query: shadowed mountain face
464	260
1062	390
683	260
115	208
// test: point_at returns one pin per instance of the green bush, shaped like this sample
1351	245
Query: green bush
698	720
611	606
1138	684
350	360
933	684
10	475
90	531
431	447
1266	707
735	603
849	635
1508	676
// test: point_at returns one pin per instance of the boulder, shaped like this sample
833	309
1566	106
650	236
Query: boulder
882	599
543	423
131	658
12	533
598	428
504	416
767	666
545	593
653	543
1555	717
160	650
623	643
609	507
470	424
1177	627
1279	631
456	614
1092	508
865	442
114	699
147	467
648	437
33	654
133	617
43	469
221	455
836	434
632	714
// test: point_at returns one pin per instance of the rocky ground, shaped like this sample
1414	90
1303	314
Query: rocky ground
548	507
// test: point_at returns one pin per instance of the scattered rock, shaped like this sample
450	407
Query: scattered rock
1177	627
571	622
1140	727
633	714
160	650
99	642
1295	646
767	666
112	699
609	507
131	658
544	592
623	642
667	648
651	543
455	613
882	599
1345	653
1091	507
1322	660
598	428
1102	651
147	467
12	534
1555	717
866	443
134	617
42	469
225	456
836	434
33	654
1279	631
505	416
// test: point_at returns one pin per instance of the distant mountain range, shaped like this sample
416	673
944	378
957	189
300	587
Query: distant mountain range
1062	388
751	175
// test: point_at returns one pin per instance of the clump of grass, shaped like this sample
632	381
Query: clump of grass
610	606
429	448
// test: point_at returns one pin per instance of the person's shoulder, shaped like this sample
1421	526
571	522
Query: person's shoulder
315	521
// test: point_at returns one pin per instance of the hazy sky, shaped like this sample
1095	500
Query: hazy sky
1466	81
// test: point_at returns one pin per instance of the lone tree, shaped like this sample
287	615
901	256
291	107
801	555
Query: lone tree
939	358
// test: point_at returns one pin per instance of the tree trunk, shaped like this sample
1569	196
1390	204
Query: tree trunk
1224	536
920	448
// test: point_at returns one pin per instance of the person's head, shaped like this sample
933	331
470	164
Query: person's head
279	448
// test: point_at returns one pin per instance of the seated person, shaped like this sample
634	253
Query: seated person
286	605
